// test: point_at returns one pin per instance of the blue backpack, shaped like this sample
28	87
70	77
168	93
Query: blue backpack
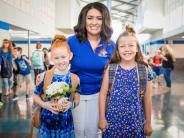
37	59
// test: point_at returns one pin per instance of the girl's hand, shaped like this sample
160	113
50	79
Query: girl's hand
51	107
24	57
148	129
103	125
66	105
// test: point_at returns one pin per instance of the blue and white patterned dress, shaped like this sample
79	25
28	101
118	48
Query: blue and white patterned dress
55	125
125	114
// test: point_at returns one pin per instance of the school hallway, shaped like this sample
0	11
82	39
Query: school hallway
167	116
30	25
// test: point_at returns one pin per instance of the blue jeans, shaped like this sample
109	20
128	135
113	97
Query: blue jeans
7	83
167	76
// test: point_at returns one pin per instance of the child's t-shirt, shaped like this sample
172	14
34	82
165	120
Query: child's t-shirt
157	60
23	67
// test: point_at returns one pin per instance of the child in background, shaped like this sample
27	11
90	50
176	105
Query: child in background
126	115
157	66
22	65
54	123
37	60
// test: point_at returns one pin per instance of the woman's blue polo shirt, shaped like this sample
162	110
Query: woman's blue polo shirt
88	64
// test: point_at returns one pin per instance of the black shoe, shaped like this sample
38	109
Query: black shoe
27	96
15	98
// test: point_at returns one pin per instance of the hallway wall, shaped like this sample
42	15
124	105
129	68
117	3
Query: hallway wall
179	65
32	15
3	34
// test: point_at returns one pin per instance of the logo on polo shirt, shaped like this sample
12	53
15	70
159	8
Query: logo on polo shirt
103	53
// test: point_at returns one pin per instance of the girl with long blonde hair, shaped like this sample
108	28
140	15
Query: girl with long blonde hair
126	115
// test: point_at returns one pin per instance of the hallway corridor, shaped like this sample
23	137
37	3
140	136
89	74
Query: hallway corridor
167	116
168	110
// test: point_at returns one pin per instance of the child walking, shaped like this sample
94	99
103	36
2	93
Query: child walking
22	65
127	112
55	123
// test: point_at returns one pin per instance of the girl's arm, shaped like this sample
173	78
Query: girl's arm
102	100
76	98
148	108
163	57
37	99
27	60
14	64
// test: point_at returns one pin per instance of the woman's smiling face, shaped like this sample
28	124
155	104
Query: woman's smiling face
93	22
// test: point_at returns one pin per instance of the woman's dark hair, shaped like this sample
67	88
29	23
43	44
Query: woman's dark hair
138	57
80	28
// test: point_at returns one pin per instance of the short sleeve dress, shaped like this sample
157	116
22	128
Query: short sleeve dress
55	125
125	114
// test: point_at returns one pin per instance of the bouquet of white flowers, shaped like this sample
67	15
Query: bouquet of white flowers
57	91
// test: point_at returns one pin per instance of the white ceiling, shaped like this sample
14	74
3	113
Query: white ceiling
122	10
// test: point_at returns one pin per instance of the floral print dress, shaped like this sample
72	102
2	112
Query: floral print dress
55	125
125	114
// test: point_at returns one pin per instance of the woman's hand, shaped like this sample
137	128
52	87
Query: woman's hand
102	124
148	129
51	107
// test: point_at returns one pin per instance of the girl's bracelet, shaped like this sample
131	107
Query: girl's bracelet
73	105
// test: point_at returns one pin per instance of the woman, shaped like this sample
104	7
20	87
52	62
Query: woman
168	64
6	52
92	49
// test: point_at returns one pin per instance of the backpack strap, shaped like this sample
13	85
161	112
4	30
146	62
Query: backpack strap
142	79
75	81
47	81
112	76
